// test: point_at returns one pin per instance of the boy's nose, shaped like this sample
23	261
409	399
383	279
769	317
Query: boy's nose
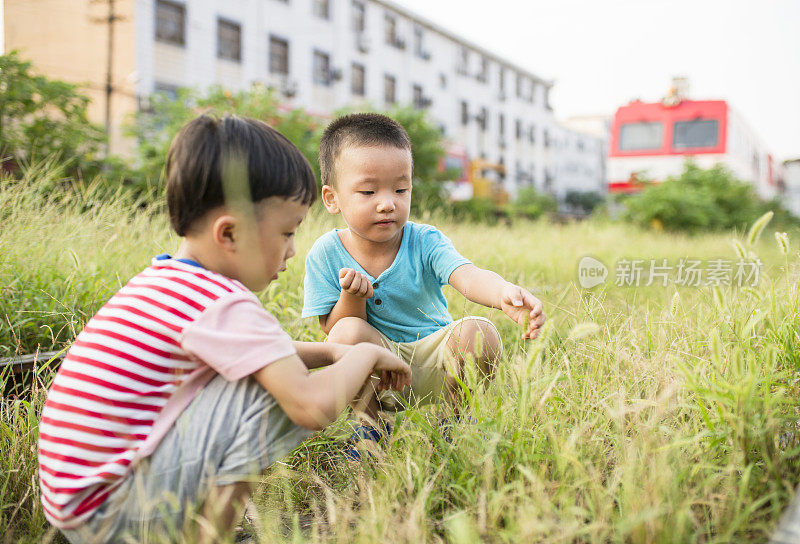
386	205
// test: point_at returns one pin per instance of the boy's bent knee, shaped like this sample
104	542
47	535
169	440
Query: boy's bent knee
476	337
352	330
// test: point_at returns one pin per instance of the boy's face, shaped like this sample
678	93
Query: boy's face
372	191
263	249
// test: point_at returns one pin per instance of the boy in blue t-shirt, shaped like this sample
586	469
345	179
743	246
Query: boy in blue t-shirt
380	280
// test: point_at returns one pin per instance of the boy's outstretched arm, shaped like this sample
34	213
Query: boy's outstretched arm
356	289
315	399
490	289
318	354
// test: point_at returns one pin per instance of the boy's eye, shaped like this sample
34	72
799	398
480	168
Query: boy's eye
366	192
401	191
288	234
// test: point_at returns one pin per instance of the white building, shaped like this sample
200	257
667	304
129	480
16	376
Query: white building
322	55
579	162
791	186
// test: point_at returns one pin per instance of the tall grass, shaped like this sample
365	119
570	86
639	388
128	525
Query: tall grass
649	414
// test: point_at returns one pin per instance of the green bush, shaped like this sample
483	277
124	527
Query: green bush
476	210
699	199
41	118
583	201
531	204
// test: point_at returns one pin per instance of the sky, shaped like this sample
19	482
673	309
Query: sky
603	53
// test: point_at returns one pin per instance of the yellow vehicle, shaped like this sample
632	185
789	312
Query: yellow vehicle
483	187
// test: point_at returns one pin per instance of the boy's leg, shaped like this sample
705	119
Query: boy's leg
472	339
353	330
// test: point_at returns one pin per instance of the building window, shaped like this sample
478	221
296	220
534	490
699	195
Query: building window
501	125
520	81
357	80
696	133
483	120
483	73
322	68
532	94
419	44
170	22
532	134
229	40
390	29
418	98
390	32
278	56
322	9
359	17
166	90
641	135
464	113
462	66
442	80
518	131
389	88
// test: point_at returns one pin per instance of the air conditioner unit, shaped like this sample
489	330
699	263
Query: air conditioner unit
362	42
426	55
400	43
336	74
426	102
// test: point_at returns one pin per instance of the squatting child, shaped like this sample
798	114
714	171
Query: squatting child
183	388
380	279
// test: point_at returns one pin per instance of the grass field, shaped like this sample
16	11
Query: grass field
642	414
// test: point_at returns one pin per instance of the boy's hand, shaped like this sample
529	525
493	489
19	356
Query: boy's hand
355	283
520	305
394	372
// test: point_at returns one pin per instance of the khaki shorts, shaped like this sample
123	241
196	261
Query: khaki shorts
429	360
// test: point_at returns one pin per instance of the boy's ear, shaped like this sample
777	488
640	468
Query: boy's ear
224	232
330	200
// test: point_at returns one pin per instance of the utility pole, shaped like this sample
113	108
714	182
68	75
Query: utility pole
109	72
109	21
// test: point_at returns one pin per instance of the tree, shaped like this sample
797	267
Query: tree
155	127
41	118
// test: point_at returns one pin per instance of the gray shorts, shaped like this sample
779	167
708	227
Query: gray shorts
231	432
788	531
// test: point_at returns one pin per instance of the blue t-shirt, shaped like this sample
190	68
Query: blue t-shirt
407	302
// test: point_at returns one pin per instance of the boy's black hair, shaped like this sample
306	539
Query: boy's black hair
357	130
198	155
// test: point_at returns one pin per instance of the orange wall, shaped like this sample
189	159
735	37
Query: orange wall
68	40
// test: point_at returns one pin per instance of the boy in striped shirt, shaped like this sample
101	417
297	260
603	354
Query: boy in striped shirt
182	387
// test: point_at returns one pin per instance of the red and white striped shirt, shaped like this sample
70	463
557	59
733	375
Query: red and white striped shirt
134	368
